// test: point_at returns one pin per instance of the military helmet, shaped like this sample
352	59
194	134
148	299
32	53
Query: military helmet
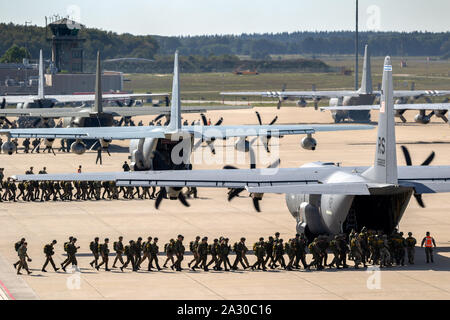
277	233
261	239
410	233
242	239
156	239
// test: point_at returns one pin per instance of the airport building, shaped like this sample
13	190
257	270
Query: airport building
65	69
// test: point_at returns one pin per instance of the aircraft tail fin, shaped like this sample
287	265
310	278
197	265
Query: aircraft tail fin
41	76
384	169
175	108
98	104
366	81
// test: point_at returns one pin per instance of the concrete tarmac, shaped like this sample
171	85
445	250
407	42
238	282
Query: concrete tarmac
212	215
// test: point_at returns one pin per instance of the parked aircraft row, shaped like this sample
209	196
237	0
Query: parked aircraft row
342	103
322	197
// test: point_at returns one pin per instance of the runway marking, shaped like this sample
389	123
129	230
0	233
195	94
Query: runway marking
4	293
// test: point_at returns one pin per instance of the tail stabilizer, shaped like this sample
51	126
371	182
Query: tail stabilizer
384	169
98	104
175	112
366	81
41	76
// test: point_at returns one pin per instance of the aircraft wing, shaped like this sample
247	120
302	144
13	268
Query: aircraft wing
81	97
294	94
110	133
140	111
425	179
17	99
223	132
42	112
418	93
115	111
105	97
239	178
406	106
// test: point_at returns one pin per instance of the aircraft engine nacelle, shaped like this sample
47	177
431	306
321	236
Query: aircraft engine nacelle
242	145
49	142
105	143
301	103
8	147
78	147
309	143
421	118
141	153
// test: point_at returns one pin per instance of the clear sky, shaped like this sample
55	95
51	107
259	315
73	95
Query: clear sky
198	17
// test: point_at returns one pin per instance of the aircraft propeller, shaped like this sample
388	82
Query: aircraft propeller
209	142
408	161
265	140
256	197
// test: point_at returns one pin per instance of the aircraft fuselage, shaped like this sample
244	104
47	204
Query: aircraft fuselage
333	214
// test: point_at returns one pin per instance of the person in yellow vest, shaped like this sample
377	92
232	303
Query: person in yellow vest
429	242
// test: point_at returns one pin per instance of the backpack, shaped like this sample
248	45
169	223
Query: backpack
235	247
115	245
165	247
65	246
127	250
191	246
47	249
92	246
100	248
17	246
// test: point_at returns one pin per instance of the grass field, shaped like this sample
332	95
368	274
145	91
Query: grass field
434	74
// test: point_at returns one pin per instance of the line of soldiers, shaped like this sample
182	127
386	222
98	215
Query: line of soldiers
11	190
67	190
363	248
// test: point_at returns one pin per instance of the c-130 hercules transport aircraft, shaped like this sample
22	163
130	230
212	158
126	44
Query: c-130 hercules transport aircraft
321	196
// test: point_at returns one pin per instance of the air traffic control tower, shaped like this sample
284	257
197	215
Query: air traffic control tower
67	47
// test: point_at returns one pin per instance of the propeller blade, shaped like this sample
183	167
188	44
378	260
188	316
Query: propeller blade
183	200
218	123
120	104
275	164
211	146
205	122
7	121
197	144
159	117
228	167
419	200
130	103
234	193
259	117
279	104
406	155
167	101
252	158
3	105
273	121
160	197
429	159
256	204
121	121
